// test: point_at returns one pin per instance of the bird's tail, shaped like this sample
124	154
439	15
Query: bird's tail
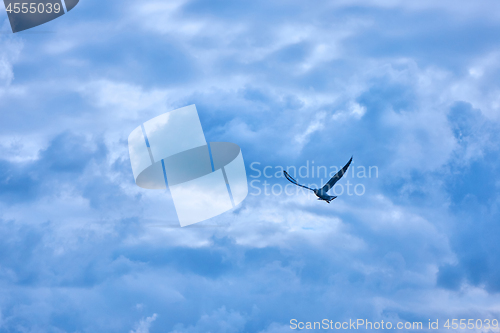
330	198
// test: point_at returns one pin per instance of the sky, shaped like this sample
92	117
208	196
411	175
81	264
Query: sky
410	89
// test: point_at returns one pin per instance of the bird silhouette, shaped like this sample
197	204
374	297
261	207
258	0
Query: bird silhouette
322	192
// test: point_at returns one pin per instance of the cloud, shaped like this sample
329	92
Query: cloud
314	126
144	325
67	155
276	328
9	54
220	320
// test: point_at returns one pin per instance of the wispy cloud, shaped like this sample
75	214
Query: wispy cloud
144	325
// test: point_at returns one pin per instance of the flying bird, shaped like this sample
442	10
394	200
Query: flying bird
322	192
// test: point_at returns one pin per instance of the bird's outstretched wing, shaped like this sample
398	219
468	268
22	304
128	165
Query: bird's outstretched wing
336	178
293	181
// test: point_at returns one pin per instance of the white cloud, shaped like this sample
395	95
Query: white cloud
277	328
10	50
220	321
126	100
315	125
144	325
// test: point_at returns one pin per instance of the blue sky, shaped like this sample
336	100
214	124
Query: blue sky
409	87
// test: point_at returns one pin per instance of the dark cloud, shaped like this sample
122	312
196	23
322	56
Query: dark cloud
66	157
17	184
69	153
